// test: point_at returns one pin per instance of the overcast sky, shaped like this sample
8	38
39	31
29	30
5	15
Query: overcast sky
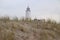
39	8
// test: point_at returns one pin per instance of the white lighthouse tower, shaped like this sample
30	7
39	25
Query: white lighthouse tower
28	12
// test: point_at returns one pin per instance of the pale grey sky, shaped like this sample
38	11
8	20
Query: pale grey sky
39	8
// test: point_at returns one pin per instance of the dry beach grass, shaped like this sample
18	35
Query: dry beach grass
29	30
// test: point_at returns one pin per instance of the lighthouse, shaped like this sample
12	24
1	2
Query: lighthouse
28	12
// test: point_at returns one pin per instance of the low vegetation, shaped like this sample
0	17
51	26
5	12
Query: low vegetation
29	29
